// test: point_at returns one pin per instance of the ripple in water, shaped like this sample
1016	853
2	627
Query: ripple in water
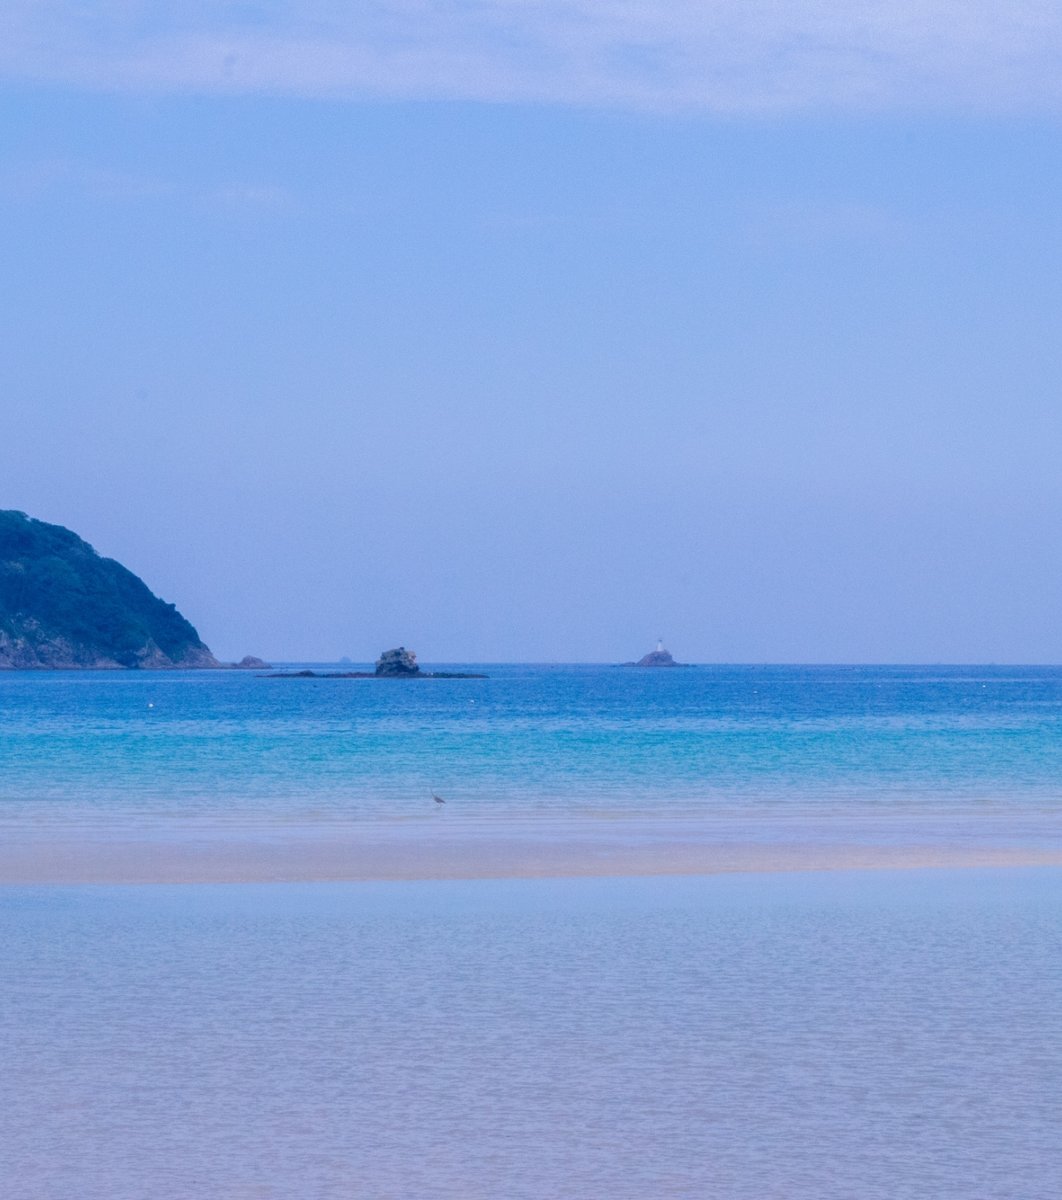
851	1035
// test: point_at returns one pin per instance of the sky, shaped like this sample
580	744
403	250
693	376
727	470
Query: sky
533	330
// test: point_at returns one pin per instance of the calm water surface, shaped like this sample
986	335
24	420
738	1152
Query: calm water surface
228	747
856	1035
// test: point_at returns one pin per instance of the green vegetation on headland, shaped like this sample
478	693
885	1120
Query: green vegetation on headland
63	606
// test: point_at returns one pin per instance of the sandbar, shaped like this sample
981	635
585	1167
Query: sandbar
438	849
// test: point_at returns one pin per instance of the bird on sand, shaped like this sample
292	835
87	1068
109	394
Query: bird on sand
437	799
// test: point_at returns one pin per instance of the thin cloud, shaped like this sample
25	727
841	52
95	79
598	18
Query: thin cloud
724	56
31	180
255	196
821	222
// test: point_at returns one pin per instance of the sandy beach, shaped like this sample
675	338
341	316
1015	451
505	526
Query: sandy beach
430	850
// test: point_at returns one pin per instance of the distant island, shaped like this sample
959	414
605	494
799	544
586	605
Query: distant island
63	606
657	658
399	663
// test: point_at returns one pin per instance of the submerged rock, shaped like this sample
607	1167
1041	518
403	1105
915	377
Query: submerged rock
400	662
392	664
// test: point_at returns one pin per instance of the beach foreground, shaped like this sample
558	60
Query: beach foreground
813	1036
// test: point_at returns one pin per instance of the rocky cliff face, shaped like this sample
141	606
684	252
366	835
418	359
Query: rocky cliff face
30	647
62	606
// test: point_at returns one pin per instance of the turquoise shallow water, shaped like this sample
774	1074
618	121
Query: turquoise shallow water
228	747
812	1037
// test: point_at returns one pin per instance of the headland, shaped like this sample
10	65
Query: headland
64	607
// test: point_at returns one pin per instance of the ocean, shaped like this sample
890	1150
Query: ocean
554	740
588	763
243	953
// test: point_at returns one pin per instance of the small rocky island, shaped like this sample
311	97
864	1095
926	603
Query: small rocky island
63	607
657	658
399	663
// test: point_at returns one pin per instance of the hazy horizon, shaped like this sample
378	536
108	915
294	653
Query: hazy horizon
521	662
528	333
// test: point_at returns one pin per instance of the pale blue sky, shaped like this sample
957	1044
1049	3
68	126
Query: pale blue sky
533	330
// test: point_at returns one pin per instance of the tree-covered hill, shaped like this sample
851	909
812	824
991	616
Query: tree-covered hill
62	605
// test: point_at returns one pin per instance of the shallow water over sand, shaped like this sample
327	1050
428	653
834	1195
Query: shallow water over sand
802	1036
130	776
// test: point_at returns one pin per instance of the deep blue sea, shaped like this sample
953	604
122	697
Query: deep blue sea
552	740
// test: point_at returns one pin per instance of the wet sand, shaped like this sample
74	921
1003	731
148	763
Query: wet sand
495	850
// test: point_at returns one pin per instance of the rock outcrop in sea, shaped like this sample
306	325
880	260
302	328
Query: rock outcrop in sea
63	606
656	658
400	661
